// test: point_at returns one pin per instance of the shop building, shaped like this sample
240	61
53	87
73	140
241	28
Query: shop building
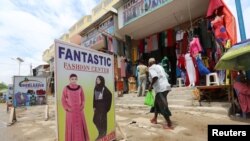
175	30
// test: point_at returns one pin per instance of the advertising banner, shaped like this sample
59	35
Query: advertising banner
29	90
84	81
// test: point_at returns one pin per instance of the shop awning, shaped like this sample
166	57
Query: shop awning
169	15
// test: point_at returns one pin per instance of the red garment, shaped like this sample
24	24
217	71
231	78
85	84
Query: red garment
243	91
213	5
170	36
141	46
150	44
229	19
220	30
230	24
181	62
184	43
195	47
73	103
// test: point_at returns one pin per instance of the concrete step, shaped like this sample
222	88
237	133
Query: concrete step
203	109
180	102
185	96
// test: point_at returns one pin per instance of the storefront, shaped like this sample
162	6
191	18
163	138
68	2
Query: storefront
101	35
174	32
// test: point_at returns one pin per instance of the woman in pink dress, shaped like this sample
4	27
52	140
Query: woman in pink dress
73	103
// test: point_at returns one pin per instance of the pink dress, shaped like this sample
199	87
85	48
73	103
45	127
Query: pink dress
73	104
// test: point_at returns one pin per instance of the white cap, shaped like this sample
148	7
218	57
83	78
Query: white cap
151	60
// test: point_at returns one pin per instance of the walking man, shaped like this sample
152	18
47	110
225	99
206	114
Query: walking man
159	82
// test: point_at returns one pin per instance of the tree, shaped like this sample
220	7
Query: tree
3	86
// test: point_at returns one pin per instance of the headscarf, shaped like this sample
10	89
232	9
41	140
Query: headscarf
99	87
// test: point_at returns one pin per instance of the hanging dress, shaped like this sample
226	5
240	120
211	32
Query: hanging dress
190	69
220	30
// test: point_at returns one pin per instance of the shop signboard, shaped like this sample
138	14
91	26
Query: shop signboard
95	36
84	82
29	90
135	9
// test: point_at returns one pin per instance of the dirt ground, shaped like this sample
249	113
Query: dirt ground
188	126
132	122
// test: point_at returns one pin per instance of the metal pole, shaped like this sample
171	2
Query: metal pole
19	62
240	20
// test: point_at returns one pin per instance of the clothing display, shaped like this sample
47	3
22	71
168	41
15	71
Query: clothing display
179	35
190	69
166	65
220	30
155	42
73	102
110	44
195	47
115	45
184	43
123	67
141	46
201	67
171	39
181	62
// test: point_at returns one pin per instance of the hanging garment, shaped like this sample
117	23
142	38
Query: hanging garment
141	46
179	35
190	69
184	43
110	44
150	44
123	67
115	45
146	50
221	75
230	22
165	64
155	42
166	39
220	30
195	47
213	5
119	60
170	36
163	39
181	62
206	37
202	69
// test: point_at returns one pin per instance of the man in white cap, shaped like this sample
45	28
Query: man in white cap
159	82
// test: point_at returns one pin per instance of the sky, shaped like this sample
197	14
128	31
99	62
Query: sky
29	27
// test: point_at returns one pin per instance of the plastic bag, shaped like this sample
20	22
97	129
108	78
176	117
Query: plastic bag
149	99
